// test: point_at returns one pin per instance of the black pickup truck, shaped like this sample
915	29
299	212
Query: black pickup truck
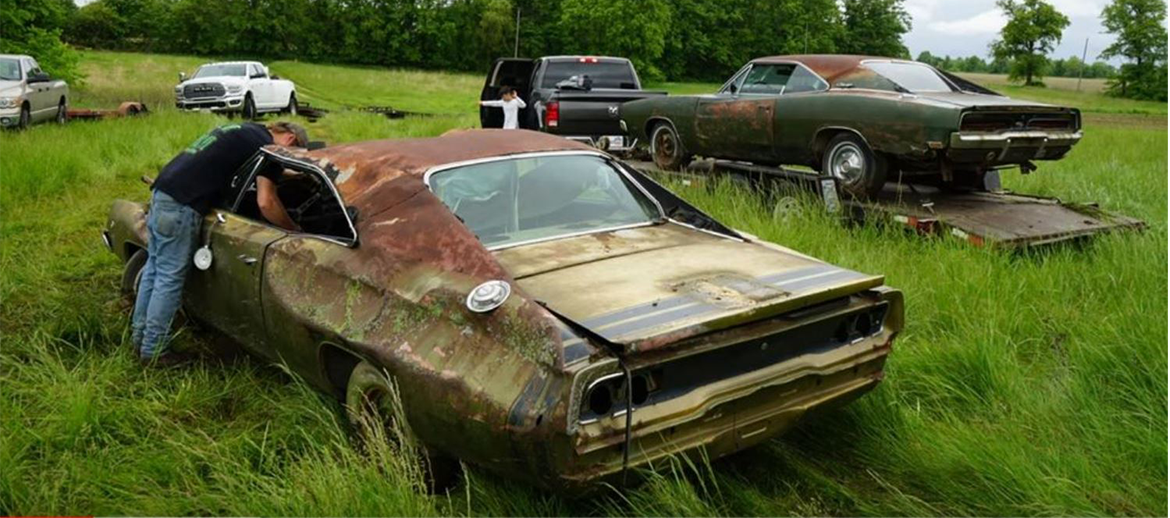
576	97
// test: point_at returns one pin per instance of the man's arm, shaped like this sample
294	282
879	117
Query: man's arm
271	206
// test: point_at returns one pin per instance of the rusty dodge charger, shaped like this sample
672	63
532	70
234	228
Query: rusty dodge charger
545	311
862	120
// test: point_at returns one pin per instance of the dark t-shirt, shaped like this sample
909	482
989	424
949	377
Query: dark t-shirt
199	176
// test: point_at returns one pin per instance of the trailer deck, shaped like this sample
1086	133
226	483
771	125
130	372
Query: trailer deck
994	218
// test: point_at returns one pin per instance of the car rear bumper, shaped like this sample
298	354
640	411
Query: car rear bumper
1011	146
605	142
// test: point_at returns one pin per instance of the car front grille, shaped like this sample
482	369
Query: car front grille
203	91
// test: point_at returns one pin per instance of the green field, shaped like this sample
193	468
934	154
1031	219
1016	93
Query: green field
1024	384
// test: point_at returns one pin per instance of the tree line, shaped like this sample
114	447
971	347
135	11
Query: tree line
701	40
1067	67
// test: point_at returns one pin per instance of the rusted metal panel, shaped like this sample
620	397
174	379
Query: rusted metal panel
126	109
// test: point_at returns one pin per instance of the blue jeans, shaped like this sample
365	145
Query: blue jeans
174	233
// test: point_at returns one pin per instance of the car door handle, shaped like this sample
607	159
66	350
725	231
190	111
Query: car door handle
247	259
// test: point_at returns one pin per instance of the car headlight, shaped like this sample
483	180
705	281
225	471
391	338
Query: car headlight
235	89
9	102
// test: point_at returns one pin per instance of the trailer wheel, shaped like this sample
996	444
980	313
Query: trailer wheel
667	150
855	166
375	413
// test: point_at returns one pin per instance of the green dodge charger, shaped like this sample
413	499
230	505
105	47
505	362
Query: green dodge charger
862	120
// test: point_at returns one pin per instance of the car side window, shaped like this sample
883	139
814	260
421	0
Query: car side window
307	195
767	79
803	80
736	82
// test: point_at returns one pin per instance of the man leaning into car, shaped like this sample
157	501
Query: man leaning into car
186	189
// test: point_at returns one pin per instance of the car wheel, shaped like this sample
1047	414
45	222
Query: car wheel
131	275
62	112
858	170
667	150
291	109
375	412
249	111
25	118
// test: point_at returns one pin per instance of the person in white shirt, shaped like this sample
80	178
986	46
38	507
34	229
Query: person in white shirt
511	103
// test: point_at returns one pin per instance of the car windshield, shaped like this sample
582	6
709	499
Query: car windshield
220	70
605	74
911	76
515	200
9	69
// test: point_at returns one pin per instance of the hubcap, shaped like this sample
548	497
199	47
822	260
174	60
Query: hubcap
847	164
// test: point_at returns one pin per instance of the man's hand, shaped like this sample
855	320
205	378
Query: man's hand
271	206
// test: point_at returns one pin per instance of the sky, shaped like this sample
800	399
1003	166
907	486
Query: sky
966	27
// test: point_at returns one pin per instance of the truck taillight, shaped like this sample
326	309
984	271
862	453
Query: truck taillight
552	114
588	59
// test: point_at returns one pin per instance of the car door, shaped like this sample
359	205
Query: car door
39	93
261	86
799	114
737	122
227	295
513	72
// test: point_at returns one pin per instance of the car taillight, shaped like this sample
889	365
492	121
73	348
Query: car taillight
587	59
552	114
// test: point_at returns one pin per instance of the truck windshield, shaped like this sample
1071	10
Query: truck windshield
911	76
605	74
9	69
517	200
219	71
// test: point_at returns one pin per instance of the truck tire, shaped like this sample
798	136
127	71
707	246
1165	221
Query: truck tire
370	401
25	117
291	109
666	148
131	274
62	112
249	109
858	170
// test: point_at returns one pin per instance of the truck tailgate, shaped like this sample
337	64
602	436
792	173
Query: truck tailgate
594	112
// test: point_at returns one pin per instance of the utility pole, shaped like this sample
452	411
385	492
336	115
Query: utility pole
516	47
1084	55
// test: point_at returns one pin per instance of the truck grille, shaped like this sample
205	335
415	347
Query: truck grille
1007	121
203	90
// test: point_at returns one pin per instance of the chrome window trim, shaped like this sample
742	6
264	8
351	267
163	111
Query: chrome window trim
313	168
828	86
613	163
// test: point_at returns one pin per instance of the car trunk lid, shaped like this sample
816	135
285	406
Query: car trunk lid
652	287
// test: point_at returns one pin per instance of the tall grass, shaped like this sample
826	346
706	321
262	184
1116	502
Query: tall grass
1024	383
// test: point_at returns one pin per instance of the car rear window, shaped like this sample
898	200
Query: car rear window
911	76
517	200
605	74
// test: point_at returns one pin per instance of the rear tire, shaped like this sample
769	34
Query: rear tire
858	170
131	274
369	399
667	150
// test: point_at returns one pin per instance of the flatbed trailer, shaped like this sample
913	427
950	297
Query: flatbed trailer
993	217
126	109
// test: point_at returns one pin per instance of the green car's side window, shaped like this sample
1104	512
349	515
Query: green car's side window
767	79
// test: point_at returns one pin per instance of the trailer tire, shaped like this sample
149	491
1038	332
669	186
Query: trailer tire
858	169
666	148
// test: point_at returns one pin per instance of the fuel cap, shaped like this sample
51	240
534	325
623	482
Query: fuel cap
488	296
203	258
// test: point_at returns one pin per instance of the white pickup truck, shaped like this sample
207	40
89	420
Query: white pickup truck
236	86
28	94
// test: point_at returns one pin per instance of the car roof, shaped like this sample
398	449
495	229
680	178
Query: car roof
578	57
360	170
16	56
828	66
231	63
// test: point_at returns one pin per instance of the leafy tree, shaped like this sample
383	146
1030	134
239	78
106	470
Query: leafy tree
34	27
635	29
1141	41
875	27
95	25
1033	29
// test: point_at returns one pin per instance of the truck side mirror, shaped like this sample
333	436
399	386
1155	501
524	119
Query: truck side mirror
40	77
182	76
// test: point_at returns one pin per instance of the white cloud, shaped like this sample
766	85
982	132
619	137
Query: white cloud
986	22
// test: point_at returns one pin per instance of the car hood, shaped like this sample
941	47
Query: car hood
10	88
224	80
651	287
973	100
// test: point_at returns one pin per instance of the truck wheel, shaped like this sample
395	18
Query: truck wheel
667	149
61	112
855	166
375	413
25	118
249	111
291	109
